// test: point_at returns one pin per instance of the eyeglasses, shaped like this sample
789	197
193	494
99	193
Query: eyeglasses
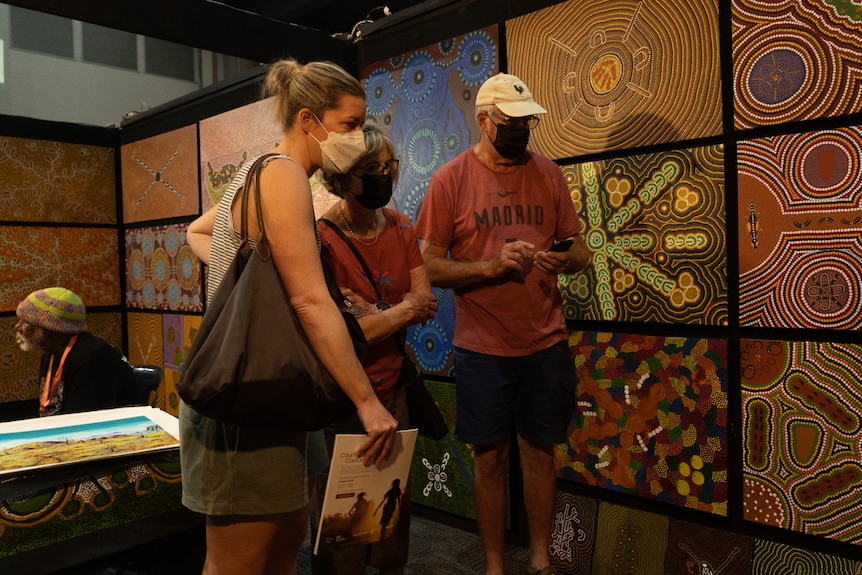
528	122
378	169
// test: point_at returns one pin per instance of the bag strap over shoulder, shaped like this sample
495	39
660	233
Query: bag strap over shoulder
365	269
252	182
356	253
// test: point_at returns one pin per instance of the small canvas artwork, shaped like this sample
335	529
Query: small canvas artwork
801	423
160	176
162	272
655	224
795	60
629	541
616	75
229	140
574	533
58	182
650	418
799	224
84	260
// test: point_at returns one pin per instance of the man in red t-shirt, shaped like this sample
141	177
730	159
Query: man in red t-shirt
489	228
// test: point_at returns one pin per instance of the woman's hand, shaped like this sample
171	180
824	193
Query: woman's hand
421	306
380	427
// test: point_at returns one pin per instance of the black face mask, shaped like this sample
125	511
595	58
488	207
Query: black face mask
511	142
376	191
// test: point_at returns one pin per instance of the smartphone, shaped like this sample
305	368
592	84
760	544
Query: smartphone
561	246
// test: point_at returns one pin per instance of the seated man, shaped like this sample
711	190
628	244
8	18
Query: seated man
79	371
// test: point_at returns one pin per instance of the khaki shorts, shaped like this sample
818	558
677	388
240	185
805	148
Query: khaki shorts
240	470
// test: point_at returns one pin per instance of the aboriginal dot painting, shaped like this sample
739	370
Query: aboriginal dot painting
116	496
795	60
160	176
696	549
574	533
772	558
425	101
656	226
629	541
145	347
161	270
802	420
441	472
45	181
177	334
650	418
19	370
84	260
229	140
800	224
620	74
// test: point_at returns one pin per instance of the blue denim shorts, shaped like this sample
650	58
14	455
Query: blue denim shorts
535	392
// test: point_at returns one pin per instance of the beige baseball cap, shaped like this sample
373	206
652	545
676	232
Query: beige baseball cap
510	95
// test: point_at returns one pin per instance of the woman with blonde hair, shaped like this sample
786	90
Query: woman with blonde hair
250	481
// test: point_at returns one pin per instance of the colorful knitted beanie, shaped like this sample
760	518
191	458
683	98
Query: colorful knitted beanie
54	309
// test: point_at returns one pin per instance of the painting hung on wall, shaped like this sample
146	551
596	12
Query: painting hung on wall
802	419
621	74
84	260
650	418
656	226
795	60
229	140
161	270
800	230
58	182
177	335
694	548
425	101
160	176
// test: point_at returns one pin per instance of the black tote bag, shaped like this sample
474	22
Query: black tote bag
250	361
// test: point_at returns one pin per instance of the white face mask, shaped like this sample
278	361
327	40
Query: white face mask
340	150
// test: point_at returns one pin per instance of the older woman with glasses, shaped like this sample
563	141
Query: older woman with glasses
397	284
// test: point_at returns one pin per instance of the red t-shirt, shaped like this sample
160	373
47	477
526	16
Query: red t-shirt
390	261
472	210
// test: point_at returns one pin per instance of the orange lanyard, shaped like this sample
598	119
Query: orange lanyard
52	383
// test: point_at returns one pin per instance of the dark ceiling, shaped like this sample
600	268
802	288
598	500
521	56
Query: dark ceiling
259	30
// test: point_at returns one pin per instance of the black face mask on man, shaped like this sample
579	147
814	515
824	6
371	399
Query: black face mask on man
376	191
511	142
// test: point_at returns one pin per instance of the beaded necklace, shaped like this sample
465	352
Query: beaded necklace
352	233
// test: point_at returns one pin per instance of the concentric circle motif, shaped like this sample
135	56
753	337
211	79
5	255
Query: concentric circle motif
148	295
174	295
137	269
411	200
160	268
187	268
379	91
420	75
446	46
825	290
826	166
148	242
777	76
172	240
431	345
424	149
476	58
